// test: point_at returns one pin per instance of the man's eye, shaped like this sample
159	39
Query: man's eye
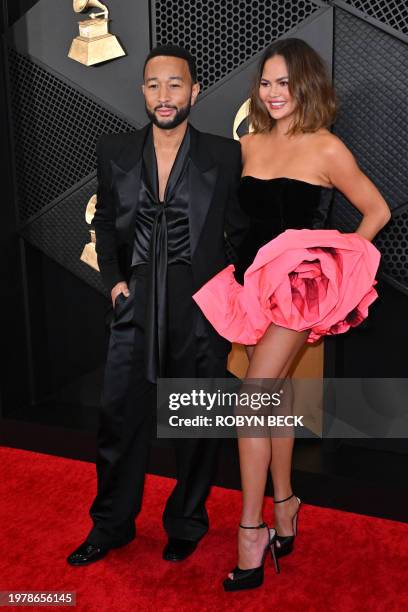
152	86
174	85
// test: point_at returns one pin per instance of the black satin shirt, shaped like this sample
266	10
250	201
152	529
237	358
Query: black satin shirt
174	208
162	238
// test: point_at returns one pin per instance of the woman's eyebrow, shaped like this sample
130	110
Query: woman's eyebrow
282	78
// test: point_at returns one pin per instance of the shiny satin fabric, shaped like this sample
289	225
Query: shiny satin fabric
161	239
175	205
194	349
213	175
124	175
127	417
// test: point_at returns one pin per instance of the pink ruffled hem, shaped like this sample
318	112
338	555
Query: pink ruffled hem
319	280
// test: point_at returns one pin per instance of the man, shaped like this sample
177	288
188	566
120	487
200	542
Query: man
166	201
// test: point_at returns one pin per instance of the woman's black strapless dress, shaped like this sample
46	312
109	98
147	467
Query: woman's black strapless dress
275	205
290	270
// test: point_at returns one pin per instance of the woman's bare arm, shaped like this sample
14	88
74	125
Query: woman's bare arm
344	173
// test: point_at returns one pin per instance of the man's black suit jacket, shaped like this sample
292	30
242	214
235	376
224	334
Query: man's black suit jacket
214	212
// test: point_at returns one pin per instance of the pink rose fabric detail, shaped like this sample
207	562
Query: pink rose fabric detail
320	280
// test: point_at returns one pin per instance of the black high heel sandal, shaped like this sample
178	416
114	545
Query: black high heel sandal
252	578
284	544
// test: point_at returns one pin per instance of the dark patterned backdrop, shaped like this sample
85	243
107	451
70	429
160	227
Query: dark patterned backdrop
224	35
56	125
55	130
372	87
392	13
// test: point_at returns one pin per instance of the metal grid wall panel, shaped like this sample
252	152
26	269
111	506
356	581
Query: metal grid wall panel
393	244
393	13
224	35
61	232
55	131
371	83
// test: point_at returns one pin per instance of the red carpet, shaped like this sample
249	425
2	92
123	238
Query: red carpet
342	561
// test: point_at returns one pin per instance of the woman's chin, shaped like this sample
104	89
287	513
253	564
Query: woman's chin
278	114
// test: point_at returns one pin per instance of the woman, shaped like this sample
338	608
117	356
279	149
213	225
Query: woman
291	163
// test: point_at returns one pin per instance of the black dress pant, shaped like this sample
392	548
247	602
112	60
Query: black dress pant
128	416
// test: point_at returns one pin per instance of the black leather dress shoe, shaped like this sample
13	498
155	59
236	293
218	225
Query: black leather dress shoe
87	553
178	550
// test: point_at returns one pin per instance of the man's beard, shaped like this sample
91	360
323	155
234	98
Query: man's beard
180	116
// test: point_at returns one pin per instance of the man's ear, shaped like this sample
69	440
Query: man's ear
195	90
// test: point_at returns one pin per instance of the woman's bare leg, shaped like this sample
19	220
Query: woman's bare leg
249	351
253	494
271	358
283	342
251	542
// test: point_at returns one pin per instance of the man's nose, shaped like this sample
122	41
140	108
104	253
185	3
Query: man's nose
164	94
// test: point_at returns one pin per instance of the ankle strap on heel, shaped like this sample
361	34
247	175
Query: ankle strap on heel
256	527
276	501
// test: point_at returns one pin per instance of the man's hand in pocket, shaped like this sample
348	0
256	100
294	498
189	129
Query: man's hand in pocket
119	288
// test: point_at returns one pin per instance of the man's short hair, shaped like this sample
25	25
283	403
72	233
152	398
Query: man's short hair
174	51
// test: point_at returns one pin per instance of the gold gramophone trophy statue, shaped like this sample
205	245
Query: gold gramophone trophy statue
242	113
88	255
94	44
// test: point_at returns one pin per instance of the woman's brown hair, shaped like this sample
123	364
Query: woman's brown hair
309	84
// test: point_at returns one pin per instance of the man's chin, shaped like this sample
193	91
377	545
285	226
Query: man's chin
165	123
168	123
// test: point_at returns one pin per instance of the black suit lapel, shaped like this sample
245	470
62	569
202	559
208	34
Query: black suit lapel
126	175
203	173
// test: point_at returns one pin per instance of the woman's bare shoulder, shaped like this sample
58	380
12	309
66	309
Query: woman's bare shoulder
329	144
250	140
251	137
